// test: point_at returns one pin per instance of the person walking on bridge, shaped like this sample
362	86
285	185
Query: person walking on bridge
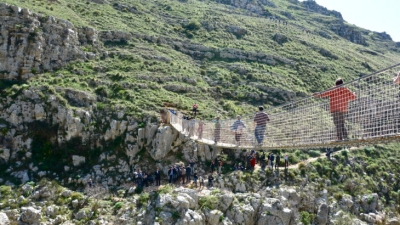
217	131
238	128
260	120
339	98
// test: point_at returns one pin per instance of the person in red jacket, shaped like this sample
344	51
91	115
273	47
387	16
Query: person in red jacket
339	98
253	162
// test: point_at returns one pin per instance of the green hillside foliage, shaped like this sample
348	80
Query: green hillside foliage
143	75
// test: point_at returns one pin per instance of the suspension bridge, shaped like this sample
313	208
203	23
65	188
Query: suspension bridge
372	117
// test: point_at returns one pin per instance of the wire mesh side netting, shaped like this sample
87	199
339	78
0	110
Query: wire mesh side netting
363	110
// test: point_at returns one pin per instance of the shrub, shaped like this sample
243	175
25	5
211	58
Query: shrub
345	153
176	215
208	202
306	217
193	25
118	205
143	199
166	189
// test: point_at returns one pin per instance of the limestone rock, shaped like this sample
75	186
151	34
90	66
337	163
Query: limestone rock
5	154
272	210
4	219
162	142
237	31
192	217
41	43
369	203
392	221
322	214
77	160
213	216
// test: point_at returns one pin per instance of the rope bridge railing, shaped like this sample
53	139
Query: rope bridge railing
373	116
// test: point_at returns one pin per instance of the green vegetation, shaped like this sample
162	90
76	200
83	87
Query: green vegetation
208	202
143	74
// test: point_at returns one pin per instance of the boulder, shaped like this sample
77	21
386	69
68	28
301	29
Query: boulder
322	214
30	215
78	160
4	219
162	142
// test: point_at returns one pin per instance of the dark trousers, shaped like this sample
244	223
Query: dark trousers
171	177
238	136
187	176
338	120
158	181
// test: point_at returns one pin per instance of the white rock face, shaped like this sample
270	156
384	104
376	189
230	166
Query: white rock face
30	215
5	154
77	160
40	43
192	218
322	214
4	219
162	142
272	212
213	216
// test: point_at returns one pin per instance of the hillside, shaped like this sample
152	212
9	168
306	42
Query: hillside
228	56
82	84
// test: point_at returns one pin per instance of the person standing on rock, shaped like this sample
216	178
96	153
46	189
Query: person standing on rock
175	171
90	182
220	166
286	158
272	157
157	174
339	98
188	172
183	174
210	180
260	120
170	175
194	109
212	166
201	181
195	178
278	160
253	162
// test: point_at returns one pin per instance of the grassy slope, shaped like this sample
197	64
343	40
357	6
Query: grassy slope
121	78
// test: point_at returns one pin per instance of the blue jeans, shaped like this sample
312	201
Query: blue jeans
259	133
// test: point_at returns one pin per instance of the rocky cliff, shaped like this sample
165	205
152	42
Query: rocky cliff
65	134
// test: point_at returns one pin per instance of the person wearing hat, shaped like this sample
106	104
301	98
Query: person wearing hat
238	129
260	120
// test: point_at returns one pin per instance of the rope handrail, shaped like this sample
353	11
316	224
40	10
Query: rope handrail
372	115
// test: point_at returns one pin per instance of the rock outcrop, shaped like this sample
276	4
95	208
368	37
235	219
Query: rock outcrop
31	43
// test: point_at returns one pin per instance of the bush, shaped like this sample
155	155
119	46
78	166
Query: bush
193	25
166	189
345	153
208	202
138	189
118	205
306	217
143	199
